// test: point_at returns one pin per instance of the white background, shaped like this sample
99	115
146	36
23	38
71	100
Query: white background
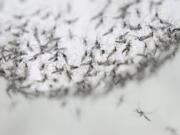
159	94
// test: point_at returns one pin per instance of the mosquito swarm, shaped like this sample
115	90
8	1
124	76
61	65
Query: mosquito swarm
82	48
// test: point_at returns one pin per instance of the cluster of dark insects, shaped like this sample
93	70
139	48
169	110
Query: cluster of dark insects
102	65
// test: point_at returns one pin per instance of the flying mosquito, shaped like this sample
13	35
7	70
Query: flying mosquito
141	113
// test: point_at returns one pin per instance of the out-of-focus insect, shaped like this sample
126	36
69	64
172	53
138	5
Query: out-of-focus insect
72	21
141	113
36	35
127	49
171	130
112	52
65	57
135	28
101	21
138	13
69	75
109	31
121	100
142	38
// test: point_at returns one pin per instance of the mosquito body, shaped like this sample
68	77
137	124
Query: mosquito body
141	113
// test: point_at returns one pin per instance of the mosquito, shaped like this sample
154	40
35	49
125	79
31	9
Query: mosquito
71	36
141	113
58	16
84	56
142	38
42	67
135	28
121	100
29	47
172	130
69	75
138	13
72	21
126	49
176	29
101	21
111	30
36	35
47	15
112	52
44	79
65	57
101	13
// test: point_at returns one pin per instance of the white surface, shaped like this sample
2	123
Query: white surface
158	94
